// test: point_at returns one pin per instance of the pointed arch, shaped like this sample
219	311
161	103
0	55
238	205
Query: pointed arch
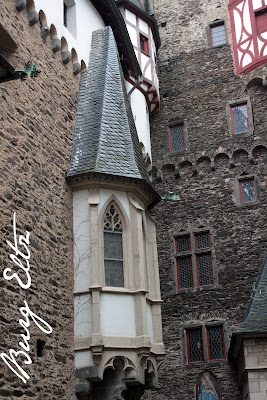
207	386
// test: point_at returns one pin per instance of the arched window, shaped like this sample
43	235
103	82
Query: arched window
113	248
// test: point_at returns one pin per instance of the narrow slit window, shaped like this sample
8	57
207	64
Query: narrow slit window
113	248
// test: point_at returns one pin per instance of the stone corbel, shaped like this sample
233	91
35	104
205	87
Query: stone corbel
97	352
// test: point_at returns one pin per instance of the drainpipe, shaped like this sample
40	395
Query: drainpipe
137	83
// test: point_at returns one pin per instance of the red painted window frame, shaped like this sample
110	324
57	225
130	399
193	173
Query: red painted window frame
208	342
177	271
170	137
188	346
144	39
211	35
198	283
232	118
176	240
195	240
241	191
261	11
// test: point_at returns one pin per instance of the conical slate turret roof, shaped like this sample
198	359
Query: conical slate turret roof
256	319
105	139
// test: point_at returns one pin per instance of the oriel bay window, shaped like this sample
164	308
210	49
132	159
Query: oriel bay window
113	248
204	343
194	259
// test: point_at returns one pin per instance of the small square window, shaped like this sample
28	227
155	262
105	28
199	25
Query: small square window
261	20
217	33
176	138
202	240
182	244
247	189
240	118
144	45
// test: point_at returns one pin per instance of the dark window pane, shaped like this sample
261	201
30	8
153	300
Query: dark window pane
183	244
248	191
194	340
113	245
177	138
114	273
240	115
142	44
185	277
202	240
205	275
216	346
218	35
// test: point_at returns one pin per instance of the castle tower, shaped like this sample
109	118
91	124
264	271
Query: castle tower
118	343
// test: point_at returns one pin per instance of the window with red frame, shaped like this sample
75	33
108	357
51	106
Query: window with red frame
247	189
261	19
194	266
205	344
144	46
176	138
218	36
215	339
194	345
239	115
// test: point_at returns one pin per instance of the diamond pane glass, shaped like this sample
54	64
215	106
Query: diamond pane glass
205	275
218	35
202	240
194	337
216	347
113	245
185	276
114	273
177	138
183	244
248	191
240	115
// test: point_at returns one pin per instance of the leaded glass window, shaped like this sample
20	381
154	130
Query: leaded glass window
177	142
216	343
185	274
194	345
194	261
218	37
240	119
248	191
113	248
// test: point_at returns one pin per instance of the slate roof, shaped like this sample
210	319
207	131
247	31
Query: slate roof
256	319
105	139
138	4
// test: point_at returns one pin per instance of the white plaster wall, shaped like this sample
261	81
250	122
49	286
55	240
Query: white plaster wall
104	195
141	117
117	316
83	359
88	20
81	239
149	321
83	316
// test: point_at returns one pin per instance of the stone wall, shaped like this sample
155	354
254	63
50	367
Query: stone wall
196	84
37	120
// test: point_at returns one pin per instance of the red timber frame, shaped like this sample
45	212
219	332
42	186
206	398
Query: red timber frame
247	43
208	342
241	190
151	89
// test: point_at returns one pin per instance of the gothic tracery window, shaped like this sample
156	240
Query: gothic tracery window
113	248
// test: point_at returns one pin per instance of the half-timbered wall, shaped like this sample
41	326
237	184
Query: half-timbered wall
249	30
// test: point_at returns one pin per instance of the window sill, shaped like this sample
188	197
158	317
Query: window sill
249	204
194	290
178	153
206	364
241	135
